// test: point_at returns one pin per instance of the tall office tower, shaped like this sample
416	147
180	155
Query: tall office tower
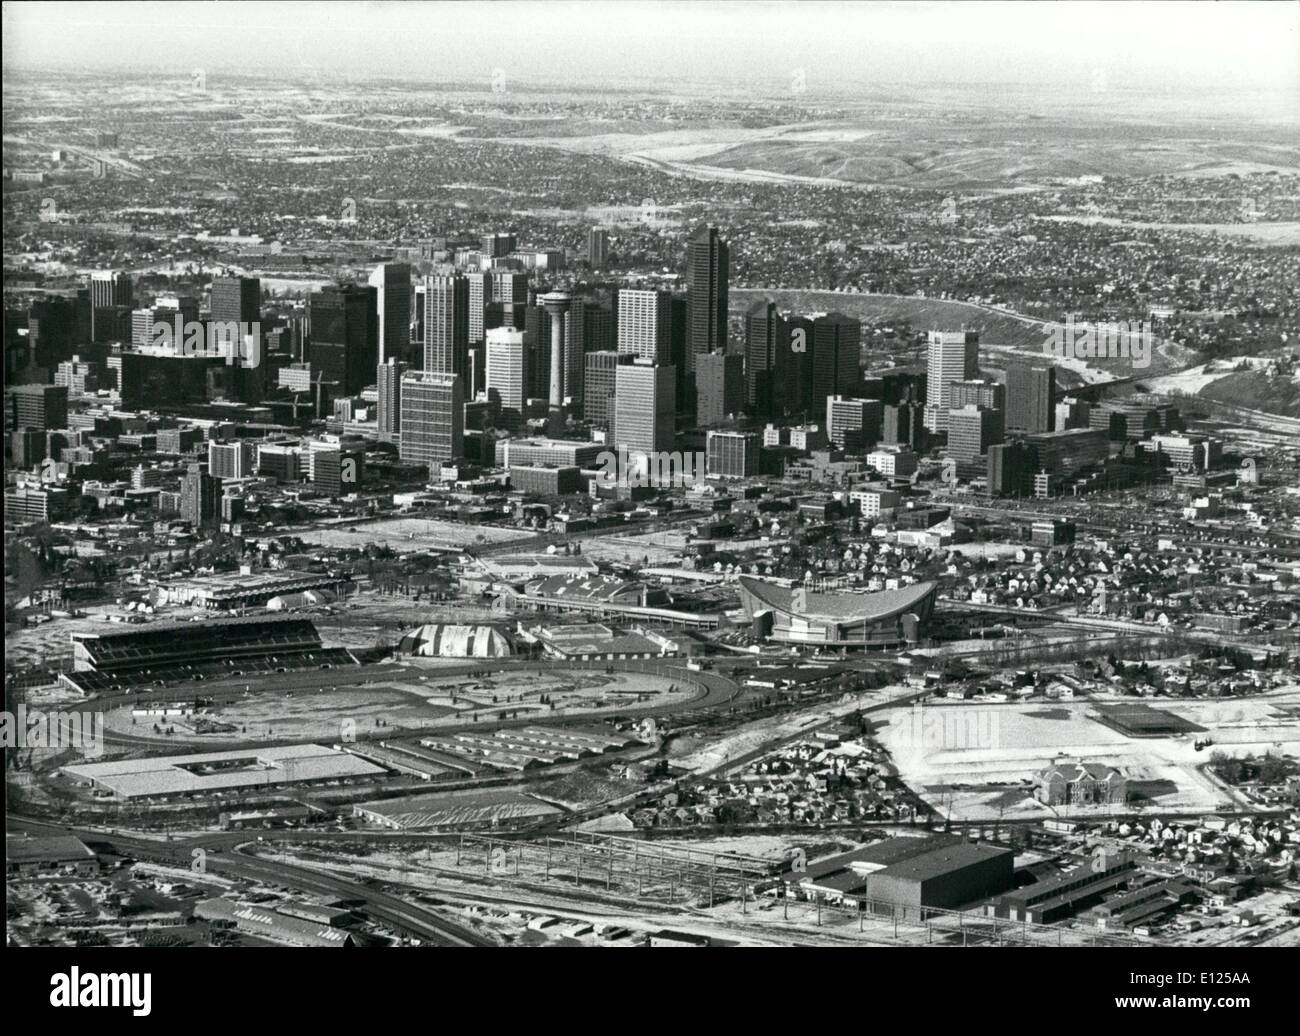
903	423
80	378
509	287
388	385
1072	413
645	325
142	322
537	322
732	454
598	386
52	331
1011	469
480	295
678	349
854	424
200	497
237	299
392	284
507	372
720	387
707	271
446	324
110	288
344	335
598	328
497	245
1031	398
645	406
767	361
597	247
236	459
111	299
972	430
417	325
836	347
28	447
433	419
981	392
575	335
954	356
37	406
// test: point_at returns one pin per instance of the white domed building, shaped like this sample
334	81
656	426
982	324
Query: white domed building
444	640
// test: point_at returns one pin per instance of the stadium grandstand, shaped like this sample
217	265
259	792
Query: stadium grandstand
794	615
181	652
609	597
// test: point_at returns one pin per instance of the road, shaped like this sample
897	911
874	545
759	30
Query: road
377	904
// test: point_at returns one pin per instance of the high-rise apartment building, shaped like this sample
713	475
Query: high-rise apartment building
388	387
446	324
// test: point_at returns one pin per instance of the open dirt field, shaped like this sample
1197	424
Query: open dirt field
972	761
410	534
414	697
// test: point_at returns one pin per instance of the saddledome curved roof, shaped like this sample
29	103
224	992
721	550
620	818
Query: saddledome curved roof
840	607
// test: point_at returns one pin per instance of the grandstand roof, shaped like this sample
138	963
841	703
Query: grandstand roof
839	607
589	587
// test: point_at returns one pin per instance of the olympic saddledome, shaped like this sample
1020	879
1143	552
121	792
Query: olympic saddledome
845	620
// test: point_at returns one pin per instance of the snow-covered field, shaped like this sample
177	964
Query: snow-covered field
992	750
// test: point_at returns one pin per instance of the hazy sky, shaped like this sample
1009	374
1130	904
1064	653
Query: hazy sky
1150	45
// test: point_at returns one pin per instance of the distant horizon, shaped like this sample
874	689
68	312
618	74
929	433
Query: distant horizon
1176	47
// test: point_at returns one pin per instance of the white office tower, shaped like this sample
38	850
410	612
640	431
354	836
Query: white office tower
507	372
433	419
645	321
954	356
645	406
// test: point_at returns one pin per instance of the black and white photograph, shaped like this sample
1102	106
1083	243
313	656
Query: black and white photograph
715	474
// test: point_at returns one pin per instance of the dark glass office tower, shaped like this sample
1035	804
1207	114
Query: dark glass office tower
1031	398
345	336
707	271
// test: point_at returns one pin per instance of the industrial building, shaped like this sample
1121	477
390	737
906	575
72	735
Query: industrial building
592	640
1066	894
248	769
45	857
905	877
